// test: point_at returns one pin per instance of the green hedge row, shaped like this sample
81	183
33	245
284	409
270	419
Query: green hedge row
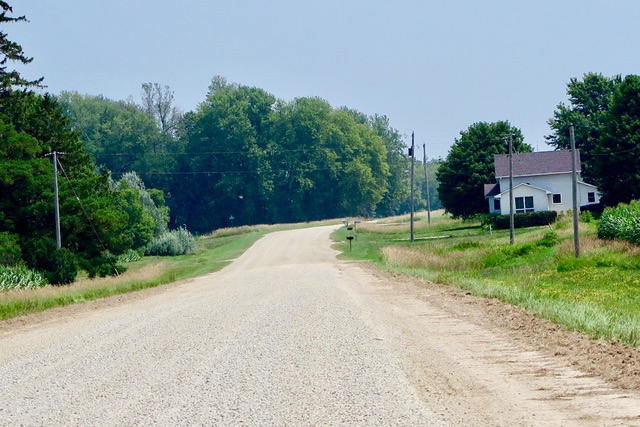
522	220
621	222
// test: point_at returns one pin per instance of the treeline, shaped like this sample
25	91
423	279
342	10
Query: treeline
245	157
133	177
101	219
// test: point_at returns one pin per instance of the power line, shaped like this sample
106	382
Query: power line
104	246
231	172
268	152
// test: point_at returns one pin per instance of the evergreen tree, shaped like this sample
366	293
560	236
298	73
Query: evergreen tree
11	51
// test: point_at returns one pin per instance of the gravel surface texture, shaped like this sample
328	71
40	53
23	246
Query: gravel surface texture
288	336
273	340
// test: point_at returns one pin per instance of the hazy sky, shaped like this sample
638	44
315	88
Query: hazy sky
433	67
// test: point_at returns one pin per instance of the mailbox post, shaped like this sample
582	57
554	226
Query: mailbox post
350	239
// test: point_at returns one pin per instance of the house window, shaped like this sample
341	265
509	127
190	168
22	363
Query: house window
591	197
496	204
557	198
524	204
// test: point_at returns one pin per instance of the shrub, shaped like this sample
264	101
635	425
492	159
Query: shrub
59	266
549	240
64	267
587	217
621	222
10	252
20	278
522	220
104	265
171	243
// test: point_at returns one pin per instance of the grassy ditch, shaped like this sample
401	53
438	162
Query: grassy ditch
212	253
598	293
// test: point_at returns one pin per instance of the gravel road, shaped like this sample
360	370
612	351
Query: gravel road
288	336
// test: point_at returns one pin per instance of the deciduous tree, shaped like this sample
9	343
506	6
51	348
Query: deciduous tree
587	111
617	168
470	164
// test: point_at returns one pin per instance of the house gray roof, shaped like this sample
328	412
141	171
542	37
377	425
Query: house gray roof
491	189
538	163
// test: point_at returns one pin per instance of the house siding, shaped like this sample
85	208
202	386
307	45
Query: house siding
556	184
540	199
546	174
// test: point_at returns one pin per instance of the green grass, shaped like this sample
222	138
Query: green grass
598	293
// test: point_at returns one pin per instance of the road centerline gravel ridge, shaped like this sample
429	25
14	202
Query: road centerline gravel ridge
287	335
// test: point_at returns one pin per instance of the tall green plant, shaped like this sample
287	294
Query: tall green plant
621	222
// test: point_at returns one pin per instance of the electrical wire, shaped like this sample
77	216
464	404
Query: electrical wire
104	246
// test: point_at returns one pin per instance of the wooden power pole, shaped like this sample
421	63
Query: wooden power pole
574	189
56	203
511	212
426	180
412	152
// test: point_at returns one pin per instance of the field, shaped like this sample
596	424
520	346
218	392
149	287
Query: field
598	293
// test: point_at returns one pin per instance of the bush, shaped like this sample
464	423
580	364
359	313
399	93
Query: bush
10	252
104	265
59	266
64	267
522	220
549	240
621	222
171	243
20	278
587	217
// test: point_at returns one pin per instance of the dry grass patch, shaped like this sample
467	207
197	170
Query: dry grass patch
144	274
592	243
423	257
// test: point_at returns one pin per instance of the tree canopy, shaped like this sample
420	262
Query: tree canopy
252	158
469	165
604	114
587	111
617	169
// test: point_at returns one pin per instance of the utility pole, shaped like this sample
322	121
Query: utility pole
574	188
412	153
511	213
56	203
426	180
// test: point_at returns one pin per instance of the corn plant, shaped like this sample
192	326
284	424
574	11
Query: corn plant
621	222
12	278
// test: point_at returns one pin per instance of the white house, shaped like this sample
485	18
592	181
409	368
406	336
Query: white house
541	182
